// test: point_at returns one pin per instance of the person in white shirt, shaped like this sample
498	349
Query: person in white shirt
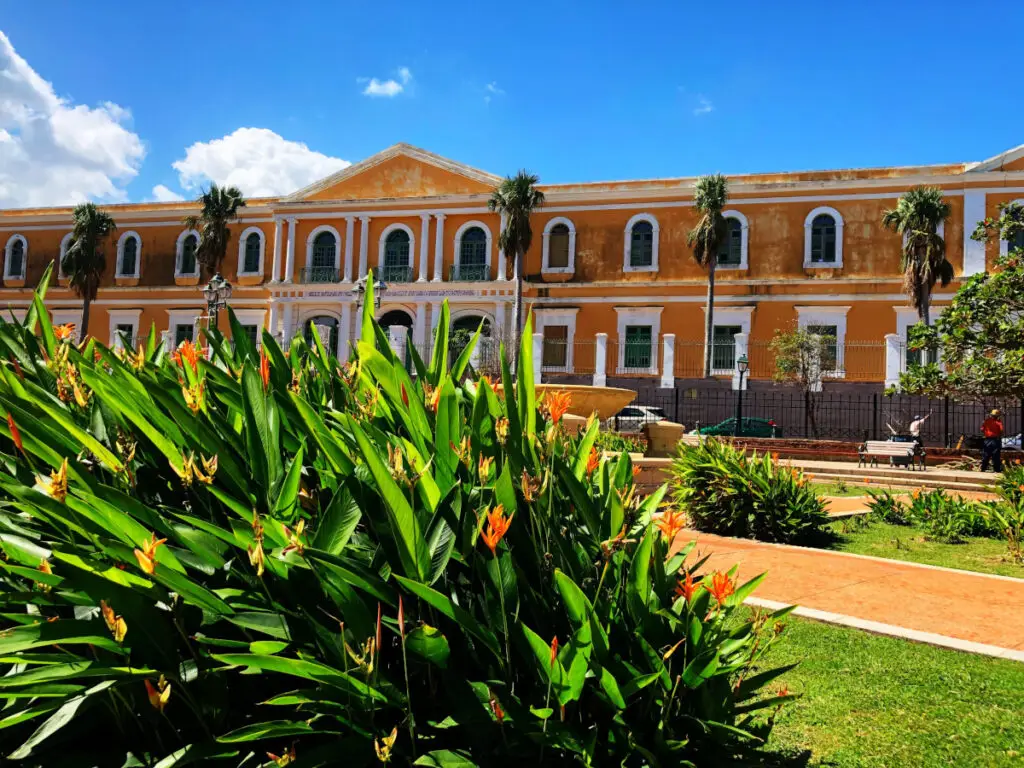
916	424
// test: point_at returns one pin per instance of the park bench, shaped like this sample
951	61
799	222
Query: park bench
692	439
899	454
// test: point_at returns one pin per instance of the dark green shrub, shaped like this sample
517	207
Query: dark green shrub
1010	485
206	562
724	491
618	442
888	508
947	518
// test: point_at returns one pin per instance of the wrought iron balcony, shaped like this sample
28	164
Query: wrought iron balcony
395	274
469	273
320	275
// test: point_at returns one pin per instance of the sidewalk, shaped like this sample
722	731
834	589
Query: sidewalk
972	612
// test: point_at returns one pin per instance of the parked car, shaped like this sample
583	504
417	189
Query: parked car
749	427
632	417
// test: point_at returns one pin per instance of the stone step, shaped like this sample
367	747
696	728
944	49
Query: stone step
915	480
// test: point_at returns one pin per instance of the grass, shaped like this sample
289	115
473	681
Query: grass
833	489
899	542
881	701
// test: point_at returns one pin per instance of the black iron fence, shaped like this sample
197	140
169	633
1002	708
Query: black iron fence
826	415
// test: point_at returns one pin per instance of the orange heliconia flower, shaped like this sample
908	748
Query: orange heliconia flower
189	353
497	527
15	434
117	625
670	523
64	332
56	486
557	404
686	587
147	555
158	694
501	430
721	586
401	617
405	395
285	758
485	379
484	467
530	486
783	691
17	367
433	396
554	651
264	369
294	542
593	461
499	713
384	746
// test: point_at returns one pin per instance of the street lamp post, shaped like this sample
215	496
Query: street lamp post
742	366
217	293
359	290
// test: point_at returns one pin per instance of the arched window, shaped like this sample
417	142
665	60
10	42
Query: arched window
730	250
251	260
396	266
322	267
187	264
641	244
14	263
823	239
558	248
326	328
128	252
473	255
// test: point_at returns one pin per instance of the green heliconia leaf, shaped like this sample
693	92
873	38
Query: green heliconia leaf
309	670
273	624
638	584
337	523
257	428
58	720
453	612
194	753
579	467
462	361
525	393
744	591
63	632
429	643
445	758
611	688
288	497
268	647
46	327
701	668
554	673
272	729
439	358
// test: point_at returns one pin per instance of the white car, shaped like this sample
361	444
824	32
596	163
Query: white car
632	417
1012	442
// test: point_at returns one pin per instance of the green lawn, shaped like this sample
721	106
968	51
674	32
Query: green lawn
880	701
831	489
898	542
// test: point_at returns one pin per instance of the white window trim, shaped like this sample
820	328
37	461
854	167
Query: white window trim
566	317
65	316
838	263
545	269
1004	245
905	318
257	317
118	272
744	241
176	317
807	316
458	242
740	316
629	241
263	249
382	243
638	316
309	246
123	317
7	257
178	248
64	243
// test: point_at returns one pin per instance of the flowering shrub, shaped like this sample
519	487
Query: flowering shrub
269	558
724	491
888	508
616	442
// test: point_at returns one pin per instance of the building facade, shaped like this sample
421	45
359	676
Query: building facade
612	284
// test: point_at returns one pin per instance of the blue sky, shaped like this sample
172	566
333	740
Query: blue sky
578	91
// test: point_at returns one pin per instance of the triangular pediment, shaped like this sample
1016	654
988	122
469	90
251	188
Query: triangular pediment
1010	160
401	171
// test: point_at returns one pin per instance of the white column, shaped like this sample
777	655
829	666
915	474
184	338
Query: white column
275	311
974	252
345	331
350	231
741	351
424	246
364	243
275	275
439	247
600	359
893	359
419	327
286	325
289	259
167	341
501	251
499	320
668	365
398	337
538	356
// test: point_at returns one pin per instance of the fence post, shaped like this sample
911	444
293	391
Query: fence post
668	364
600	359
538	356
740	351
874	415
893	361
945	421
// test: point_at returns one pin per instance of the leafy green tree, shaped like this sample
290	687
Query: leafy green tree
83	261
980	337
710	196
804	359
517	197
219	207
917	217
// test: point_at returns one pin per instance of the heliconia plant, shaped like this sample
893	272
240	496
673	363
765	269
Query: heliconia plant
260	556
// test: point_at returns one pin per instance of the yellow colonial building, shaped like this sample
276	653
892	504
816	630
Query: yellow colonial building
613	286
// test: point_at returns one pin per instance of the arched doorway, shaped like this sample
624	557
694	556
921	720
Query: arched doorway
485	354
398	317
326	328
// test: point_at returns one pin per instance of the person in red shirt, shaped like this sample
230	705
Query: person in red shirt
992	445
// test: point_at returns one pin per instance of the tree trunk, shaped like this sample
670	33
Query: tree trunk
517	311
84	330
925	311
810	408
709	319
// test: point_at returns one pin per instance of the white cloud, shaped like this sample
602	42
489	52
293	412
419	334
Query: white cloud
703	107
492	90
54	152
164	194
257	161
387	88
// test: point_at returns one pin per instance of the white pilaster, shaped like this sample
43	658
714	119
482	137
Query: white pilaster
668	365
398	337
893	359
350	231
499	320
439	247
501	251
600	359
345	331
364	244
275	312
538	357
424	246
275	274
741	351
286	325
289	259
974	252
167	340
419	326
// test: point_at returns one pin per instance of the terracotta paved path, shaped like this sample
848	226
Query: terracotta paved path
927	603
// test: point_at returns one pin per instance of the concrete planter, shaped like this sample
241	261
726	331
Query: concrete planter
662	437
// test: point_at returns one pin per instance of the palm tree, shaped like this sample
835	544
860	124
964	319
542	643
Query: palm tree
516	197
83	261
710	196
917	217
219	208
